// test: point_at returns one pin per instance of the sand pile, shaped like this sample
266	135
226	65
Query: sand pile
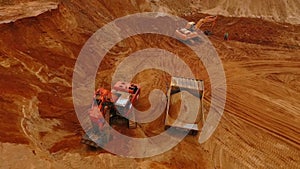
272	10
184	106
277	10
10	12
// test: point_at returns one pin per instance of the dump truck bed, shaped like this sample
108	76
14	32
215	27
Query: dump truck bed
188	83
194	86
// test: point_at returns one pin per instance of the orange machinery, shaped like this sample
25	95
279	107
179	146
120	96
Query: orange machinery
108	106
190	32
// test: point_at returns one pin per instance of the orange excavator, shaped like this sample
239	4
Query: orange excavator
190	32
107	107
208	19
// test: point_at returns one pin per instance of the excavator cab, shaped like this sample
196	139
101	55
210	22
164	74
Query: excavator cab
190	26
107	106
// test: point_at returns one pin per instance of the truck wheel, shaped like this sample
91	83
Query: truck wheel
193	132
167	127
208	33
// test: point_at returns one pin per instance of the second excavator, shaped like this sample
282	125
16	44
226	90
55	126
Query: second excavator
190	32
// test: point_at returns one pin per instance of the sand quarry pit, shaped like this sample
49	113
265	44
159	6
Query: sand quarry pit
39	128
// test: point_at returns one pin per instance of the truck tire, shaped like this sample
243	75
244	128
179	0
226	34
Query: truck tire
167	127
193	132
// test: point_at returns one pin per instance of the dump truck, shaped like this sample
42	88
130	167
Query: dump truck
185	104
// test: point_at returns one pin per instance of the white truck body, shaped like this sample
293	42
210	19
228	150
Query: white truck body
192	86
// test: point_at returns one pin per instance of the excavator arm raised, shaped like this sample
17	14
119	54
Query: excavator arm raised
208	19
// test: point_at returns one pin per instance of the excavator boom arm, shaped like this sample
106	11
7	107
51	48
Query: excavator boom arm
208	19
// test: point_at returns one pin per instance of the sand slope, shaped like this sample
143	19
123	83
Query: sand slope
39	127
277	10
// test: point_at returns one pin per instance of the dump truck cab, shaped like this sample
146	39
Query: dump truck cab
185	95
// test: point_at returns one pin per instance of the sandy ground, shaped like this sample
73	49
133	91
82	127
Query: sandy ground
39	128
273	10
11	13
